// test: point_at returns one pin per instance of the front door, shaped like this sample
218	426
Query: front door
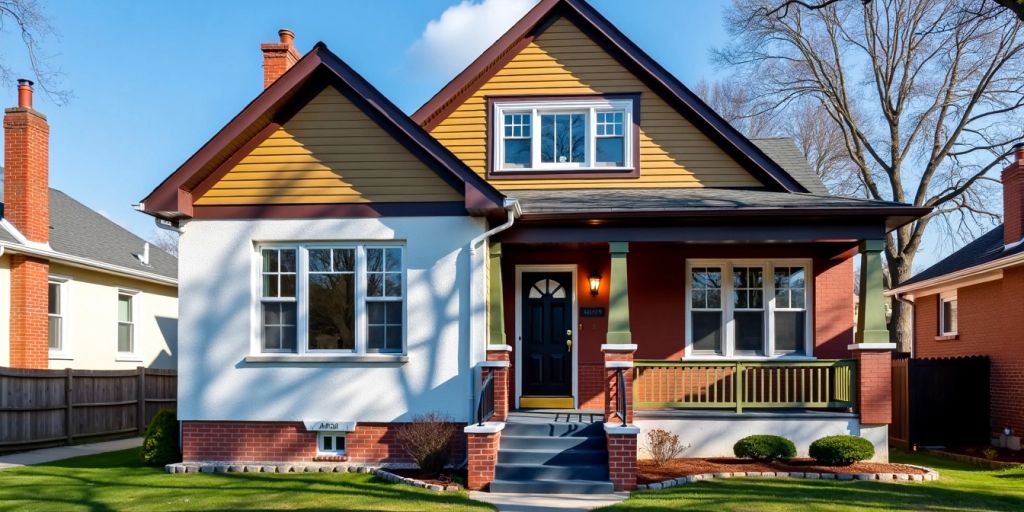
547	338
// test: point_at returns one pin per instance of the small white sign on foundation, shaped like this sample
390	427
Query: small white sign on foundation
329	425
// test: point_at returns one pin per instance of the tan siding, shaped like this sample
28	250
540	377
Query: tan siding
563	60
329	152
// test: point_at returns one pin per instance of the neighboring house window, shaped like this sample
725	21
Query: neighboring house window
741	308
55	312
126	322
324	299
564	135
947	314
330	443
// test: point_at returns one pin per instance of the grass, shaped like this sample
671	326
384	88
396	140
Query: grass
960	487
118	481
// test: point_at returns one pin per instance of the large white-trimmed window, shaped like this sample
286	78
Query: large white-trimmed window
569	134
331	299
947	314
56	312
748	308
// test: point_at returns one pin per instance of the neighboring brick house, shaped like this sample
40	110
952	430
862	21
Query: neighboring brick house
972	303
562	219
76	290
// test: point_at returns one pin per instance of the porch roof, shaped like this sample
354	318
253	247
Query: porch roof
568	204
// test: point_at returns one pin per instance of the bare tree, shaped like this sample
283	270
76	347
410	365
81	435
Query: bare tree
27	19
927	95
1015	6
166	240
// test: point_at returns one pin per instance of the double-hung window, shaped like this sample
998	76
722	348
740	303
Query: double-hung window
563	135
326	298
947	314
55	310
125	322
747	308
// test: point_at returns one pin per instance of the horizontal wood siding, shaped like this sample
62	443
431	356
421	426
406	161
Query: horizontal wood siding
329	152
563	60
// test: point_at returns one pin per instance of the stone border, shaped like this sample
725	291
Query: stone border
975	461
929	476
382	473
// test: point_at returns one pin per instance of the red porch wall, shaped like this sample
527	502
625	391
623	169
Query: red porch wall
657	299
989	322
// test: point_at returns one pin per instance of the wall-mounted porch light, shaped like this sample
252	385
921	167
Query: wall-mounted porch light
595	283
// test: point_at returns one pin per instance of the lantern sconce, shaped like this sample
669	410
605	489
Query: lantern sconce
595	283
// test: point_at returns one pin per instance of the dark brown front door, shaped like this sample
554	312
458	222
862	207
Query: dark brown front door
547	334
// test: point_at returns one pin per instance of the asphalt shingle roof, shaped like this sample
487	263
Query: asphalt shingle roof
986	248
785	153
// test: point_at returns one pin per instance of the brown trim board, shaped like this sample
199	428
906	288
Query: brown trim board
330	210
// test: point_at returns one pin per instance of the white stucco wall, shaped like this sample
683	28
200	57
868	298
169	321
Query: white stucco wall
5	310
713	435
216	383
90	323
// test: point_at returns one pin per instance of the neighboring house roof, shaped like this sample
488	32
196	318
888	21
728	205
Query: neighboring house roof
785	153
83	233
602	31
985	250
280	101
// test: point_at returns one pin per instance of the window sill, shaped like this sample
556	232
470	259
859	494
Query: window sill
128	358
582	173
339	358
703	357
61	356
947	337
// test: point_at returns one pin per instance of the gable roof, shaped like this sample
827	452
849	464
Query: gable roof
986	249
605	34
319	68
79	231
785	153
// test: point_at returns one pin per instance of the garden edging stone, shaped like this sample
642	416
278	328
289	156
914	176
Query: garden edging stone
930	475
316	467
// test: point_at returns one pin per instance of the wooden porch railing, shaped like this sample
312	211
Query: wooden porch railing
817	384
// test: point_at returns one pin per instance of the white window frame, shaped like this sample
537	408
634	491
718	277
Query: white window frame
945	297
334	443
587	106
728	310
136	305
63	285
302	299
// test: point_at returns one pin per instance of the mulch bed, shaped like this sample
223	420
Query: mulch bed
1002	454
448	477
675	468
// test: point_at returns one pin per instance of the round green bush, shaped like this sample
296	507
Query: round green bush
160	446
764	448
841	450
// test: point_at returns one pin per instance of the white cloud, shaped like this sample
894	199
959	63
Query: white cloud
462	33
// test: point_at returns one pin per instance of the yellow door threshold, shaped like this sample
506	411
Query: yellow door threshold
545	402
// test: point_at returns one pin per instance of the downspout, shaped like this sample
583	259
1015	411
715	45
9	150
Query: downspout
512	210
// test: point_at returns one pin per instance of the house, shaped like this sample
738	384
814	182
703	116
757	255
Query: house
969	304
76	290
564	234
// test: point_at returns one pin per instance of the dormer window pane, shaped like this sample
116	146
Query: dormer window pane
563	138
518	147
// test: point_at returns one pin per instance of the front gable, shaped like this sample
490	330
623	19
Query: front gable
565	49
330	151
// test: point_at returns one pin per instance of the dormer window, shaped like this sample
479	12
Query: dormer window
564	135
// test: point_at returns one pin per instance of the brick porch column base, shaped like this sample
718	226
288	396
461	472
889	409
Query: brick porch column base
617	357
482	450
622	453
498	361
874	382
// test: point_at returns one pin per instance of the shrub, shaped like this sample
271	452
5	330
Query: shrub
990	453
428	439
841	450
664	446
160	446
764	448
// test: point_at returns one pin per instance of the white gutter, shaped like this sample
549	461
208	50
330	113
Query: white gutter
86	263
512	210
1008	261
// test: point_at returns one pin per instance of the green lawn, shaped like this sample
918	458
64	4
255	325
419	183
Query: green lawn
117	481
960	487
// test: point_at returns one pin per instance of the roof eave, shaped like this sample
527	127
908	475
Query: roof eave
1001	263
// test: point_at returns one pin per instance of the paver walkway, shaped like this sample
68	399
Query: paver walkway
545	502
44	455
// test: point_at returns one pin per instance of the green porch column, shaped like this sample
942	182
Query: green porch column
618	296
495	311
871	327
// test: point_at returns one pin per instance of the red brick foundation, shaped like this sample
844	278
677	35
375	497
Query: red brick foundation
874	386
482	449
243	441
622	461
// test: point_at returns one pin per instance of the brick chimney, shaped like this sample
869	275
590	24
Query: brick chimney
27	206
1013	197
278	57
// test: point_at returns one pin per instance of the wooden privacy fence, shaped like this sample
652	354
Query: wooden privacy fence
60	406
818	384
940	402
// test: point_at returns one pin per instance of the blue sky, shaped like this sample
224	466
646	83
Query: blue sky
153	81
